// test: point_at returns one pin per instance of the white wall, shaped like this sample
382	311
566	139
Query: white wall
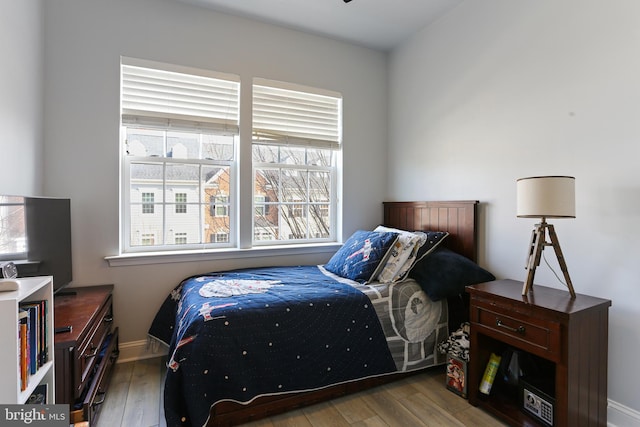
83	44
499	90
21	97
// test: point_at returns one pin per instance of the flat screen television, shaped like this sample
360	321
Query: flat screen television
35	233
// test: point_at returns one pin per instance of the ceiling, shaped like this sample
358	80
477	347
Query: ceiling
377	24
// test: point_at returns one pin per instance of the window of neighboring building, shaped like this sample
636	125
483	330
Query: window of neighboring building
148	239
220	206
147	203
258	203
181	202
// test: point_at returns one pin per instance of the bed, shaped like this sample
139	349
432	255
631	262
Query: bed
247	344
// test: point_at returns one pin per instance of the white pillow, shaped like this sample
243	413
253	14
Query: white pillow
403	254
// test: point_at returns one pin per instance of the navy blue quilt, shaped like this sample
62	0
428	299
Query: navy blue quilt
245	333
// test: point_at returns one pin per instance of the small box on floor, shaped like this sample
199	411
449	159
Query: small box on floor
457	375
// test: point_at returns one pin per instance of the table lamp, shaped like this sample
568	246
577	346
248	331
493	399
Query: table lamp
545	197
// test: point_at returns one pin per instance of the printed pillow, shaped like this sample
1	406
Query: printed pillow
444	273
360	256
434	238
402	254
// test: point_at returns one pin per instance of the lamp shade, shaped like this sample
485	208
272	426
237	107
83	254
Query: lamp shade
546	197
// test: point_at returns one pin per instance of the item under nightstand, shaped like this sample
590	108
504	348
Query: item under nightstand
567	338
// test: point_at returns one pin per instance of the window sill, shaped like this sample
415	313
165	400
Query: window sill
143	258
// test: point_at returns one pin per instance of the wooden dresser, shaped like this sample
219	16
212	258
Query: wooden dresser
565	337
86	354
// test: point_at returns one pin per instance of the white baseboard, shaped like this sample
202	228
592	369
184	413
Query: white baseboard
618	415
138	350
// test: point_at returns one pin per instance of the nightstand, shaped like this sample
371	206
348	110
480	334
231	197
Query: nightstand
568	337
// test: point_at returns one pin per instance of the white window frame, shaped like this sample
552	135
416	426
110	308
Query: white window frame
150	100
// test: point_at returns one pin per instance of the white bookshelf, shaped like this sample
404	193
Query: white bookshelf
31	289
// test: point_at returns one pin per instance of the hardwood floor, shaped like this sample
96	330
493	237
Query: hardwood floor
135	399
135	395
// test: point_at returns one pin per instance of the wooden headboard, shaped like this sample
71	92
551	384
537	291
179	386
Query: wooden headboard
459	218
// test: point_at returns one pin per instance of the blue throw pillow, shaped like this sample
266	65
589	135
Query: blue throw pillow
359	257
444	273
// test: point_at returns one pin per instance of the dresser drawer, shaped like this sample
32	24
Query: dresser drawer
89	348
528	332
98	382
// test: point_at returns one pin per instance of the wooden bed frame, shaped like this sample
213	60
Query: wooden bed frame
458	218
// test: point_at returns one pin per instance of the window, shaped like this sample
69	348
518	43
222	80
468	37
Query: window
180	139
258	203
180	135
296	146
181	202
220	206
13	230
147	203
222	237
148	239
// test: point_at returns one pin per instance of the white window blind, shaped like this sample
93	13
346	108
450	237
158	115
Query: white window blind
291	117
155	97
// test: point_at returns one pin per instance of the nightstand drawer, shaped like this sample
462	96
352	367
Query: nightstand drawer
532	334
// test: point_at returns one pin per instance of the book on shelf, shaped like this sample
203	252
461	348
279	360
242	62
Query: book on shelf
33	335
23	326
33	329
42	356
45	332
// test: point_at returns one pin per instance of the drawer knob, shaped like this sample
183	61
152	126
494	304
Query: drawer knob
519	330
108	319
